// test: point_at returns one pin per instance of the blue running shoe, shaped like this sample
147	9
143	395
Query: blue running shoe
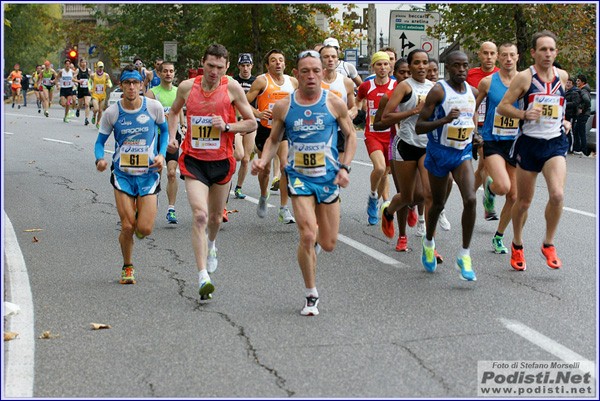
373	211
238	194
428	258
466	271
489	201
171	216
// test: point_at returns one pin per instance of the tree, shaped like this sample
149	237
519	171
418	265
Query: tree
573	23
30	44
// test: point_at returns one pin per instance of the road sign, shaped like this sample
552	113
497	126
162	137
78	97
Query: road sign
408	32
351	56
170	50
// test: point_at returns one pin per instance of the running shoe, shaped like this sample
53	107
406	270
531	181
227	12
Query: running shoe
438	257
421	229
39	111
87	122
206	289
225	216
98	125
275	184
212	261
428	258
466	270
139	235
387	223
65	120
372	211
238	193
310	307
517	259
19	107
171	216
489	201
443	221
262	206
127	275
552	260
285	216
71	114
93	119
13	105
498	244
412	217
46	113
318	248
402	245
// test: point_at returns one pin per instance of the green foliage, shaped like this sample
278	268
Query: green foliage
573	23
32	34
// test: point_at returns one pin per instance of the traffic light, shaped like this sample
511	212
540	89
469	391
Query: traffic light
73	55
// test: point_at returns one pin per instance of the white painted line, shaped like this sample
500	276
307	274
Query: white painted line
371	252
251	199
362	163
19	356
568	209
57	140
9	133
545	343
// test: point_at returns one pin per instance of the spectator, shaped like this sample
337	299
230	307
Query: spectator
579	134
25	88
574	99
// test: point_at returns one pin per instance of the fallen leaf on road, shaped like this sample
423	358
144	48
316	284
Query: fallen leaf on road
232	211
35	239
31	162
46	335
98	326
32	230
10	335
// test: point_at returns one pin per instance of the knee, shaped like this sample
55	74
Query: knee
511	197
379	170
144	229
470	201
501	188
200	218
328	244
172	174
127	227
556	197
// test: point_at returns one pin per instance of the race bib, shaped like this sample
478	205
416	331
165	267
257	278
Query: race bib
458	133
99	89
481	111
309	159
204	135
46	81
83	83
66	82
550	106
134	159
505	126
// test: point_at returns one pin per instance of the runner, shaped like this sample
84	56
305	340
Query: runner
36	78
343	67
165	93
266	90
155	80
207	163
377	142
65	82
245	79
82	76
499	134
99	81
315	172
138	159
15	77
48	78
542	145
448	119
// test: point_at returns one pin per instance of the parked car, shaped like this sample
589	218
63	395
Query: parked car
590	127
115	95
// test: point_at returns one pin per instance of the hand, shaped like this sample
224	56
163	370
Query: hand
258	165
342	178
533	114
477	139
159	162
217	122
173	146
567	125
454	113
266	114
101	165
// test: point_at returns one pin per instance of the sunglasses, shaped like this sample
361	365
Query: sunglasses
308	53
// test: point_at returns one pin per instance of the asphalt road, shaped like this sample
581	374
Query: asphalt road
387	328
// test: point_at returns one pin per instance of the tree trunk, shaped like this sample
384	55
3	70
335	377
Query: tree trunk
258	50
522	37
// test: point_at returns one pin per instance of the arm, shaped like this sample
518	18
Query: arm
351	103
483	88
271	146
183	92
259	84
434	97
240	101
518	87
389	115
347	127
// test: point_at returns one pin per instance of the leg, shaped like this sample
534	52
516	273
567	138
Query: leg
172	184
464	177
555	172
248	143
126	209
197	193
525	191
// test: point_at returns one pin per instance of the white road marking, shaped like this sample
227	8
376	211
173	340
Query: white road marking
9	133
57	140
19	356
568	209
371	252
546	343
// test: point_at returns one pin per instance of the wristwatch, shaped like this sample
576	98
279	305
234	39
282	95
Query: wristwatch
346	167
227	128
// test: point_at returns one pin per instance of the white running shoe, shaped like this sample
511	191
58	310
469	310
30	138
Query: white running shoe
443	221
211	261
285	216
310	307
421	229
261	211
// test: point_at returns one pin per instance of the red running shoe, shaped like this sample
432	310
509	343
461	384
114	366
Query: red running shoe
517	258
552	260
412	217
402	245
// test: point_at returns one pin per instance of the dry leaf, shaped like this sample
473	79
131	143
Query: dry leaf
32	230
10	335
232	211
31	162
35	239
46	335
98	326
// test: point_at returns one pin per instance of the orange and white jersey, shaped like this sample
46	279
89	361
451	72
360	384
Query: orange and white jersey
271	94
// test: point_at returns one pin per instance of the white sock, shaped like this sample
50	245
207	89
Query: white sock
211	244
171	207
428	243
422	218
463	252
202	275
312	292
374	195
